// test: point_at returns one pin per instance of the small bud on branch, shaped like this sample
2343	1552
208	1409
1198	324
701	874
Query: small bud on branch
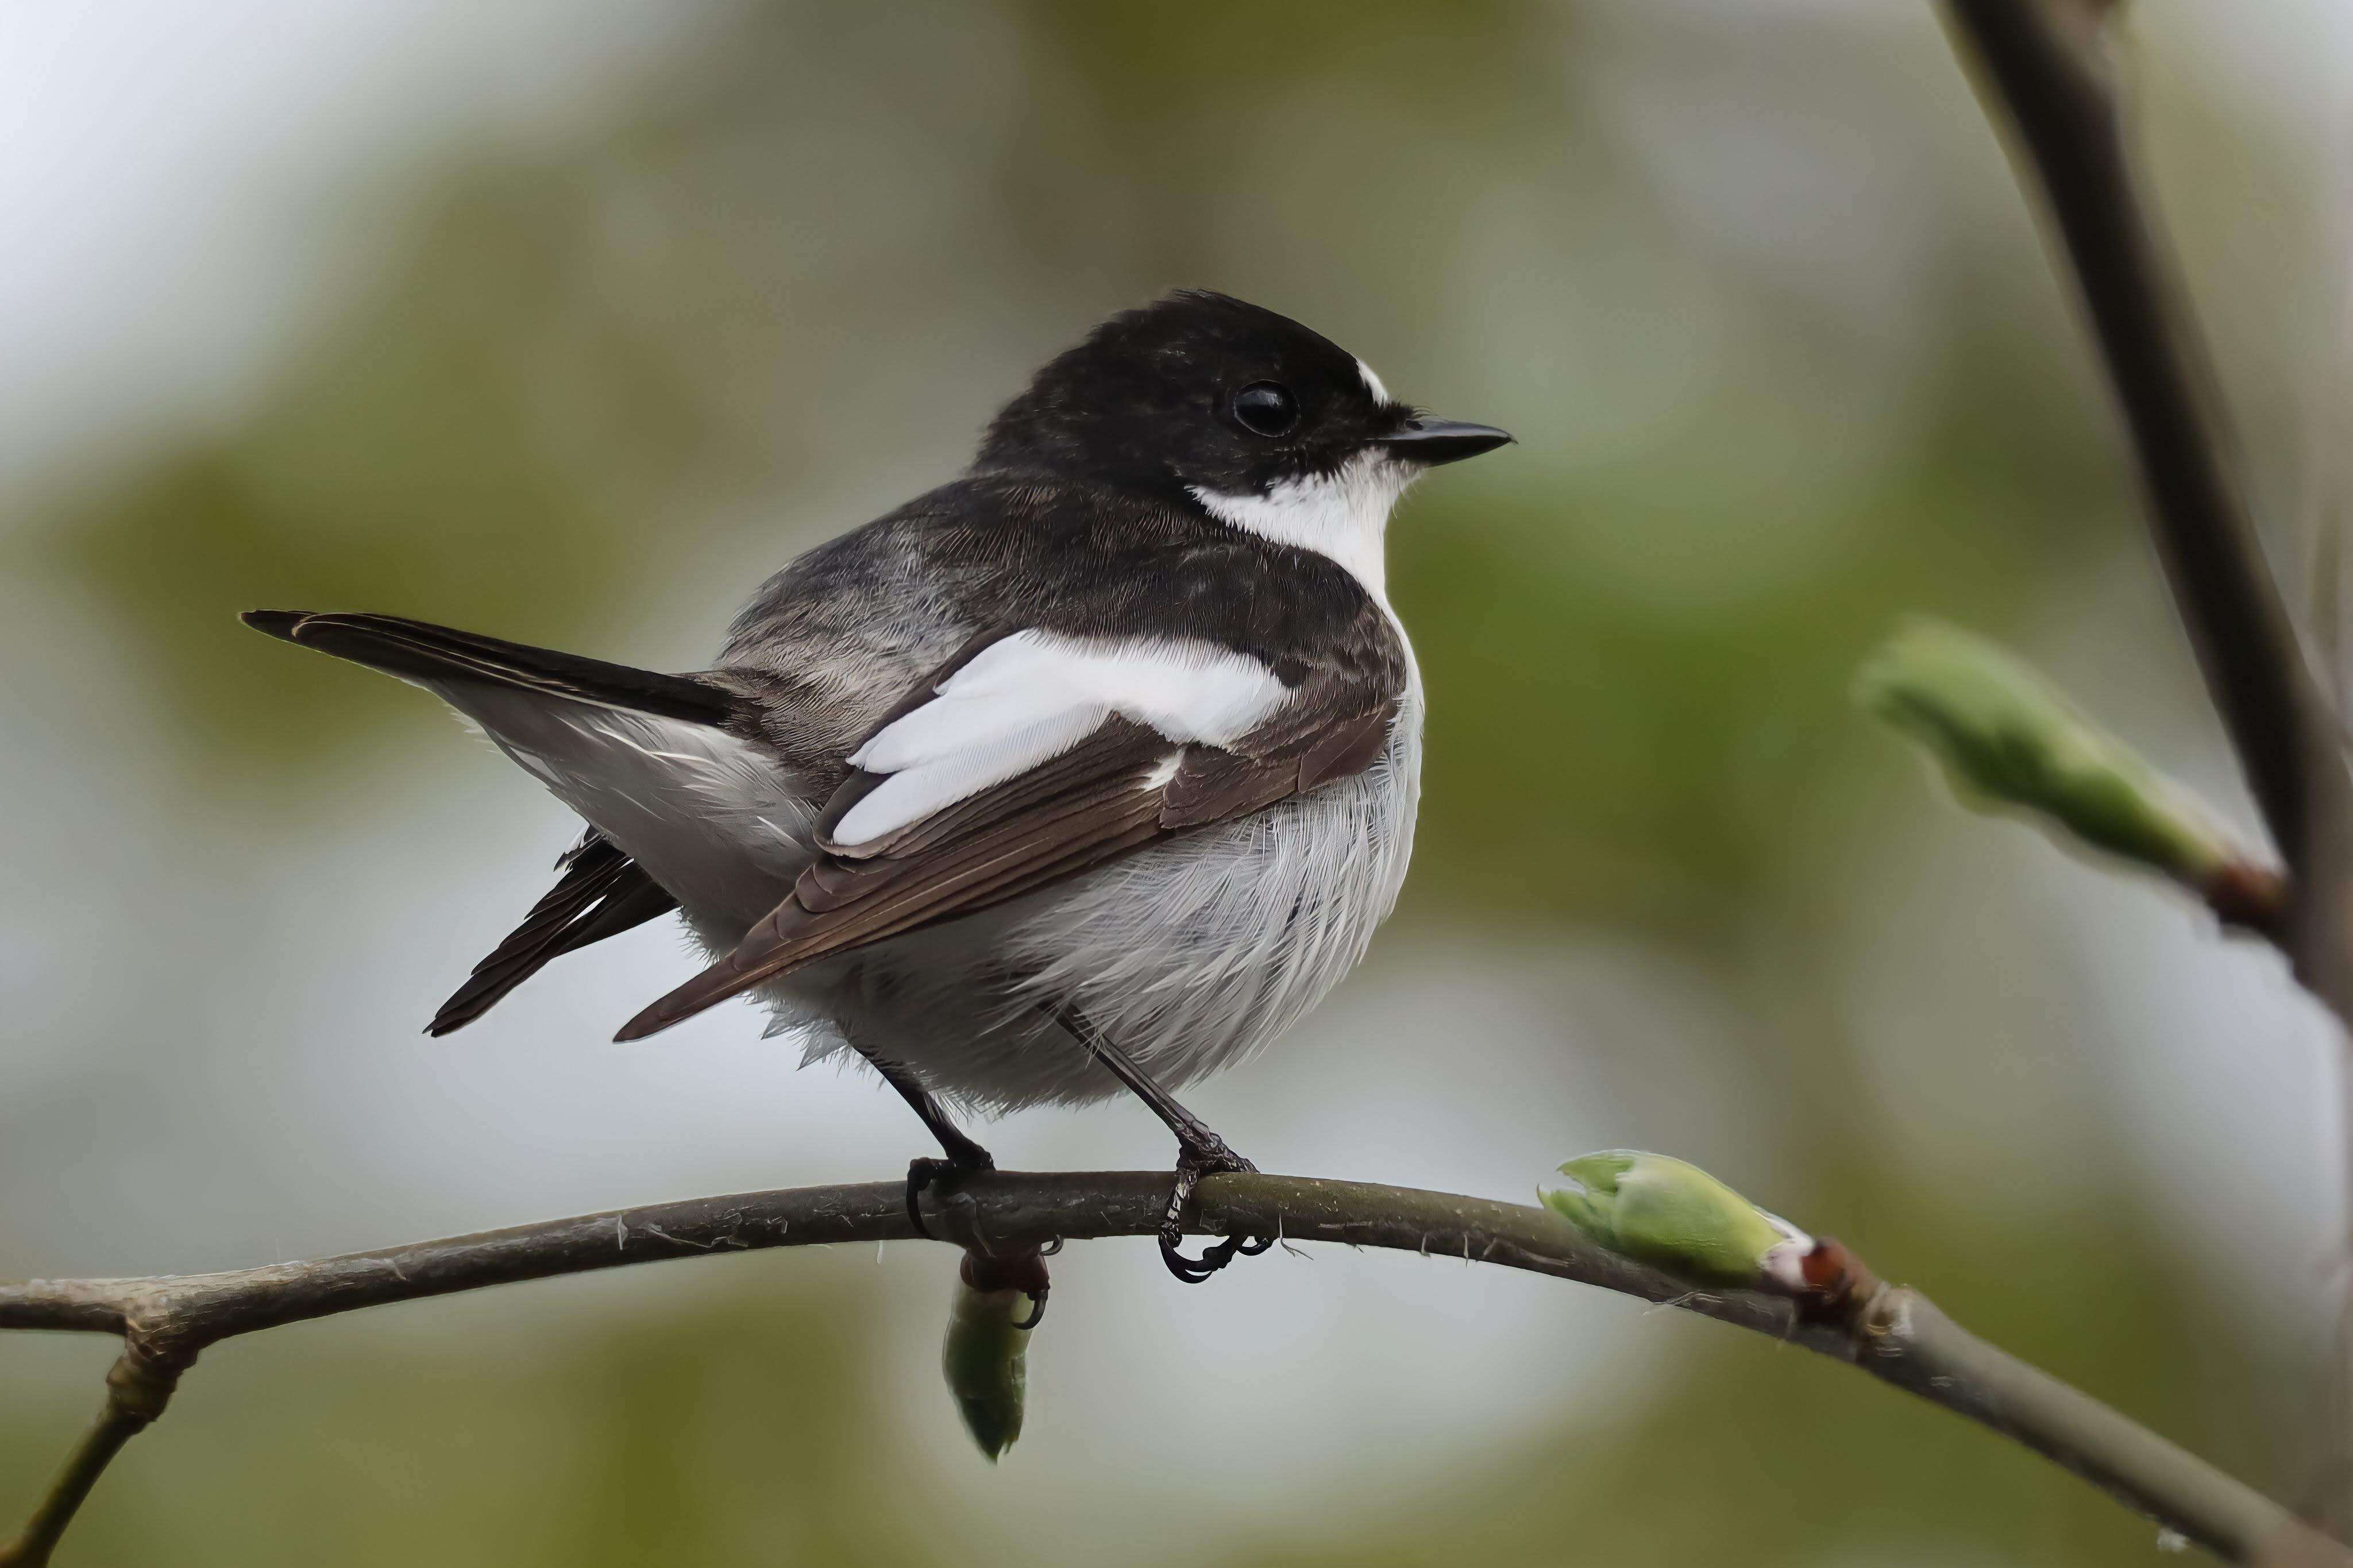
2008	740
1674	1217
999	1298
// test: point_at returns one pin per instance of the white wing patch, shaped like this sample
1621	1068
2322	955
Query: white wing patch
1032	696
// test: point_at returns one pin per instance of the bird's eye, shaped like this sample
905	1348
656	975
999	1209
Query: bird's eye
1266	409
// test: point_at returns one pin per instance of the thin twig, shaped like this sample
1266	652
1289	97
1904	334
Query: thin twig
2047	72
2051	80
137	1389
1891	1332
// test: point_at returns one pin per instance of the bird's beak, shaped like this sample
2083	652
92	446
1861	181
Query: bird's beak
1431	442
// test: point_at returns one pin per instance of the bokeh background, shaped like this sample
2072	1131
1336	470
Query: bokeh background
568	322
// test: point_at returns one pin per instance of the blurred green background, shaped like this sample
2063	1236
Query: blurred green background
567	323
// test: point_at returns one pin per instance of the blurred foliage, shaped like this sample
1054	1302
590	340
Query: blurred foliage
585	379
479	439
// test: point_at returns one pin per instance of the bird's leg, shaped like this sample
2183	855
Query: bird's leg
964	1157
1021	1269
1199	1153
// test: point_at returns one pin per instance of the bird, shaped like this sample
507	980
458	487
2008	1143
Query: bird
1094	767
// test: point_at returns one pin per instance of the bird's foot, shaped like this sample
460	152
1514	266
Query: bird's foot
1197	1158
929	1172
1021	1269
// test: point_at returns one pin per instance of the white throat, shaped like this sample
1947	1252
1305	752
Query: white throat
1343	516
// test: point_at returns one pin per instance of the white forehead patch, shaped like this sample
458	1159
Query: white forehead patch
1372	382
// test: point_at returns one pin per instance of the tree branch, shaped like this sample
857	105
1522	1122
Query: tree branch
2045	68
1889	1332
2047	73
136	1392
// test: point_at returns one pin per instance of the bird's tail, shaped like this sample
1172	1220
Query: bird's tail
603	894
438	656
660	762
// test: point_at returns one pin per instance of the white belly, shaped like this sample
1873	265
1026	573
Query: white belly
1188	954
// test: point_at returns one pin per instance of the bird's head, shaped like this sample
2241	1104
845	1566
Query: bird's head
1245	411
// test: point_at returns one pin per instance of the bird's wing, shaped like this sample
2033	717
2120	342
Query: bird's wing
602	893
1034	756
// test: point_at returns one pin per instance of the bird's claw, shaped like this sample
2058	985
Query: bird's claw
924	1174
1193	1163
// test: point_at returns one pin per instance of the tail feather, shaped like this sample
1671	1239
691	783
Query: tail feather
602	893
679	768
414	650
